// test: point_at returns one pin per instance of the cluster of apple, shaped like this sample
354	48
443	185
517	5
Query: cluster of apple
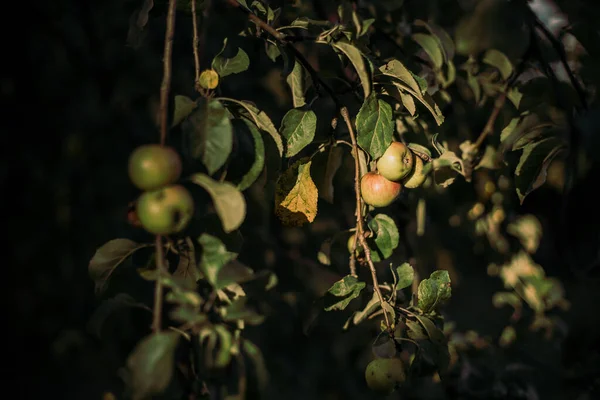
164	207
398	167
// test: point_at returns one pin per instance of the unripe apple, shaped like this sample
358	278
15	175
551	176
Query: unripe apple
166	210
383	374
377	191
396	162
152	166
418	174
351	244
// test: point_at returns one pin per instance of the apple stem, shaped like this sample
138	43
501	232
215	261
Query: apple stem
360	234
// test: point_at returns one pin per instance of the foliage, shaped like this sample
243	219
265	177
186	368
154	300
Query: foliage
357	82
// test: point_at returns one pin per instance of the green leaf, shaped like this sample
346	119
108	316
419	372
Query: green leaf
214	257
233	272
234	65
533	165
298	81
348	288
259	158
210	134
498	60
372	306
184	106
272	50
223	355
298	127
374	126
432	47
405	274
260	367
356	58
415	330
261	119
443	38
395	69
433	332
187	267
387	237
508	336
366	24
108	257
434	291
151	364
500	299
229	202
239	310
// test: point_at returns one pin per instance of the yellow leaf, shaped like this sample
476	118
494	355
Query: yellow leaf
296	195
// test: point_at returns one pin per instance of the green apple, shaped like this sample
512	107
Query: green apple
383	374
418	175
377	191
166	210
152	166
396	162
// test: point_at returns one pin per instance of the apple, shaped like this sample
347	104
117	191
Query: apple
351	244
152	166
377	191
166	210
396	162
383	374
418	174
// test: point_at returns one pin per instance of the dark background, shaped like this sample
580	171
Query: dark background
81	100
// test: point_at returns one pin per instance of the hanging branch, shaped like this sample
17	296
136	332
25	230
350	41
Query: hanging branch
343	110
196	43
164	117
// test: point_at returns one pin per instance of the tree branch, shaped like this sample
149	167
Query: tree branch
343	110
164	117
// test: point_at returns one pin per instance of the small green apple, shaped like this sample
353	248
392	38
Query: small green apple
166	210
152	166
396	162
418	175
377	191
383	374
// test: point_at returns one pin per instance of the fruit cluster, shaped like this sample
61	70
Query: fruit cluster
398	167
165	207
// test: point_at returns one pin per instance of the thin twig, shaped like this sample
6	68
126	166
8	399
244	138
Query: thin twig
489	126
158	289
164	116
344	113
359	218
557	46
165	87
196	43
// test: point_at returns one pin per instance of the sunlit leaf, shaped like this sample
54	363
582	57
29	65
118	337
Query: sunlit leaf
497	59
239	310
296	195
344	291
434	291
